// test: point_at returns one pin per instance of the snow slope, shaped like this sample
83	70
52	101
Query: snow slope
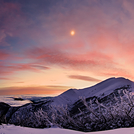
66	98
103	88
11	129
107	87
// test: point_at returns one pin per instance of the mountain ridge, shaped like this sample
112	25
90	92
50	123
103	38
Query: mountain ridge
103	88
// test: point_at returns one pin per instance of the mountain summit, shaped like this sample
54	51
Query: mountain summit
100	90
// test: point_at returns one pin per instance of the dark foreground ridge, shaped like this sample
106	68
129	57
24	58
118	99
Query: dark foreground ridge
107	105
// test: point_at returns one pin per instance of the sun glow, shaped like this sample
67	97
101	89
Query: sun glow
72	33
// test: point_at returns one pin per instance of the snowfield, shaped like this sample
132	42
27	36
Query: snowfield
11	129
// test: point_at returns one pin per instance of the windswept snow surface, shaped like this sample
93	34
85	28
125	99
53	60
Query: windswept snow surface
11	129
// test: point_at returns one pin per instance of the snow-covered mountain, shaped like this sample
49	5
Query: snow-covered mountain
100	90
103	92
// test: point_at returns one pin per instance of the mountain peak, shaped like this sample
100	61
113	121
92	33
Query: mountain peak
105	87
113	80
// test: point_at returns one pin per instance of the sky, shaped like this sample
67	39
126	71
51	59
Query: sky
49	46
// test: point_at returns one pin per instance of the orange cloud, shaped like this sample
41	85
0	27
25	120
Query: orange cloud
48	90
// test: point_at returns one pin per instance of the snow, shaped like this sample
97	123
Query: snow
11	129
66	98
106	87
103	88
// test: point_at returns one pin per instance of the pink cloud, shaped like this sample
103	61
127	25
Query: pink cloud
116	72
85	78
3	55
4	78
55	56
7	70
95	61
101	40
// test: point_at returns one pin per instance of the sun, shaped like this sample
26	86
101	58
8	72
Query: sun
72	33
